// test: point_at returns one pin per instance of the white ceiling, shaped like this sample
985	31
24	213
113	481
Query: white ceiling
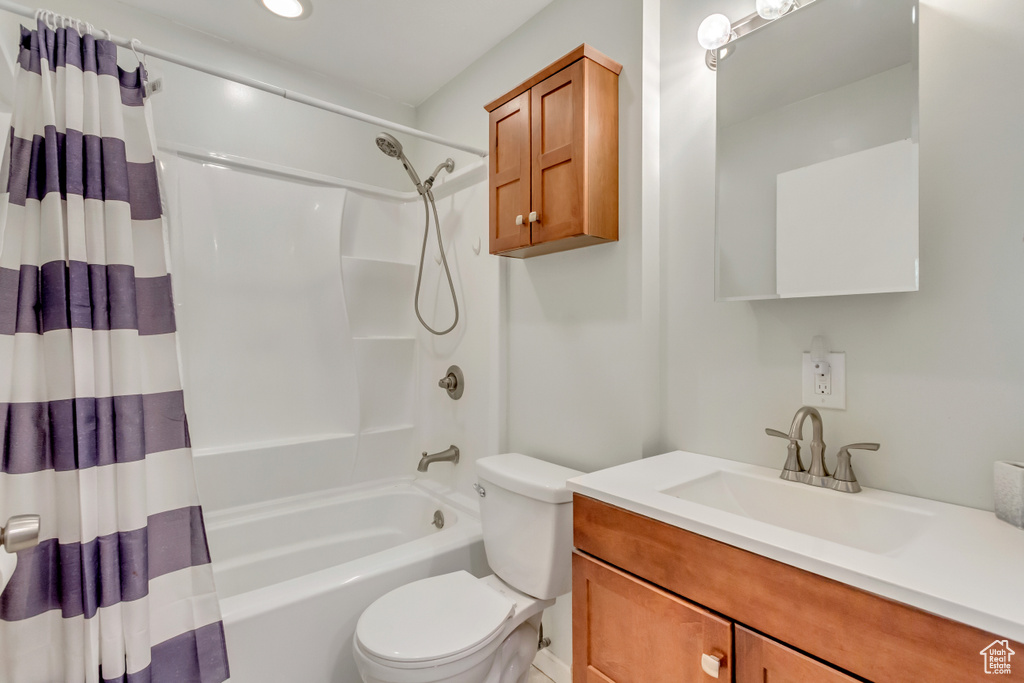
401	49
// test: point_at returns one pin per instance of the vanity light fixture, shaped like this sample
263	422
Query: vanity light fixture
716	32
289	9
773	9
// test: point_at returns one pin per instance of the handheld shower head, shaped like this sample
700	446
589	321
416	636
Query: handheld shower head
393	148
389	145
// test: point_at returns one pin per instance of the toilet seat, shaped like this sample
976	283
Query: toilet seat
432	621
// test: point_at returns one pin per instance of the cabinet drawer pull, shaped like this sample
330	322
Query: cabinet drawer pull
519	219
533	217
711	664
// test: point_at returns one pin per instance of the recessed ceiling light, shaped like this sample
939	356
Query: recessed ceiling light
289	9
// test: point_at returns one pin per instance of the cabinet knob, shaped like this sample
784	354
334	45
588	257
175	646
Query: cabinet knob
519	219
533	217
711	664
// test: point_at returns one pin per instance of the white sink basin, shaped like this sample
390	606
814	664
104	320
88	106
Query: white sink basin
845	518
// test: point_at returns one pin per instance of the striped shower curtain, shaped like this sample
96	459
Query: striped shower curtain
94	433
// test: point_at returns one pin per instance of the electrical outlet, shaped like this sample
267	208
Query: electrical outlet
825	387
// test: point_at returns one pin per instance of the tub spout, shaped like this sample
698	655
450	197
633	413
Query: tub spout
450	454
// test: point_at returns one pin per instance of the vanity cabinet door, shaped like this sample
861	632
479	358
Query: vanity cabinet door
760	659
626	630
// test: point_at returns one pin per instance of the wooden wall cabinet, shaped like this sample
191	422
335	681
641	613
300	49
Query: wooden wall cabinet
554	158
650	599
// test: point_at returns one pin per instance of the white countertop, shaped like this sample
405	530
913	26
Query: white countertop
964	565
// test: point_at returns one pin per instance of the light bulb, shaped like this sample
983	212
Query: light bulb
289	9
714	32
773	9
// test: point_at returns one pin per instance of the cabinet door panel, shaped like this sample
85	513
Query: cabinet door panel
558	106
628	631
762	660
510	174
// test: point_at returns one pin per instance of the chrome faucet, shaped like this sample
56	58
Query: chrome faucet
817	474
844	479
450	454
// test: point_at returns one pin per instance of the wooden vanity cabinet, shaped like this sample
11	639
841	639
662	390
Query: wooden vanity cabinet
761	660
786	624
554	158
628	631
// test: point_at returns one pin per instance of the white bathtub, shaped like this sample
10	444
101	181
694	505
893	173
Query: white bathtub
294	575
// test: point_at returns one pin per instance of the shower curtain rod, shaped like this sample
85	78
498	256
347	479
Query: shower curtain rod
15	8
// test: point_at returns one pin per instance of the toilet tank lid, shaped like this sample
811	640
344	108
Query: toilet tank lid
537	479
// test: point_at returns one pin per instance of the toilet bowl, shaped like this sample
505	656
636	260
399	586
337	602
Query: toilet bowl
459	628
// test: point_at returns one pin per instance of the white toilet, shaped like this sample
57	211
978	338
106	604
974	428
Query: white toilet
461	629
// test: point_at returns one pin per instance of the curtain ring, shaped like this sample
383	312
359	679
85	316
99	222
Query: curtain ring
136	43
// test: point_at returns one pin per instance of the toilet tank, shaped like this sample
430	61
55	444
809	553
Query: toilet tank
526	514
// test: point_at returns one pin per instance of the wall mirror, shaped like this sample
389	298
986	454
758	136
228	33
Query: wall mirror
817	171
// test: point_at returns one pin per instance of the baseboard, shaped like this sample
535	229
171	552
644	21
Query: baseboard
552	667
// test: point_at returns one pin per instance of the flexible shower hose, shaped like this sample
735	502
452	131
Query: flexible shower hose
444	261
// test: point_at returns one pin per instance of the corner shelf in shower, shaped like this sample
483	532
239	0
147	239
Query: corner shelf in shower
377	297
386	372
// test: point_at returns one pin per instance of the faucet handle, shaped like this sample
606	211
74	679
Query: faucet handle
794	469
844	479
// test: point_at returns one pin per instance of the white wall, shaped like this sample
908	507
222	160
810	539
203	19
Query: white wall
936	376
571	340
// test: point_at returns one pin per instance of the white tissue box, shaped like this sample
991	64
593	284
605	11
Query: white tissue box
1009	486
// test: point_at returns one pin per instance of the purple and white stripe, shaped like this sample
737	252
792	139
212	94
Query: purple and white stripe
95	437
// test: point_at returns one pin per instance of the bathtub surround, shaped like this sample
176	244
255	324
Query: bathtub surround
121	584
318	426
